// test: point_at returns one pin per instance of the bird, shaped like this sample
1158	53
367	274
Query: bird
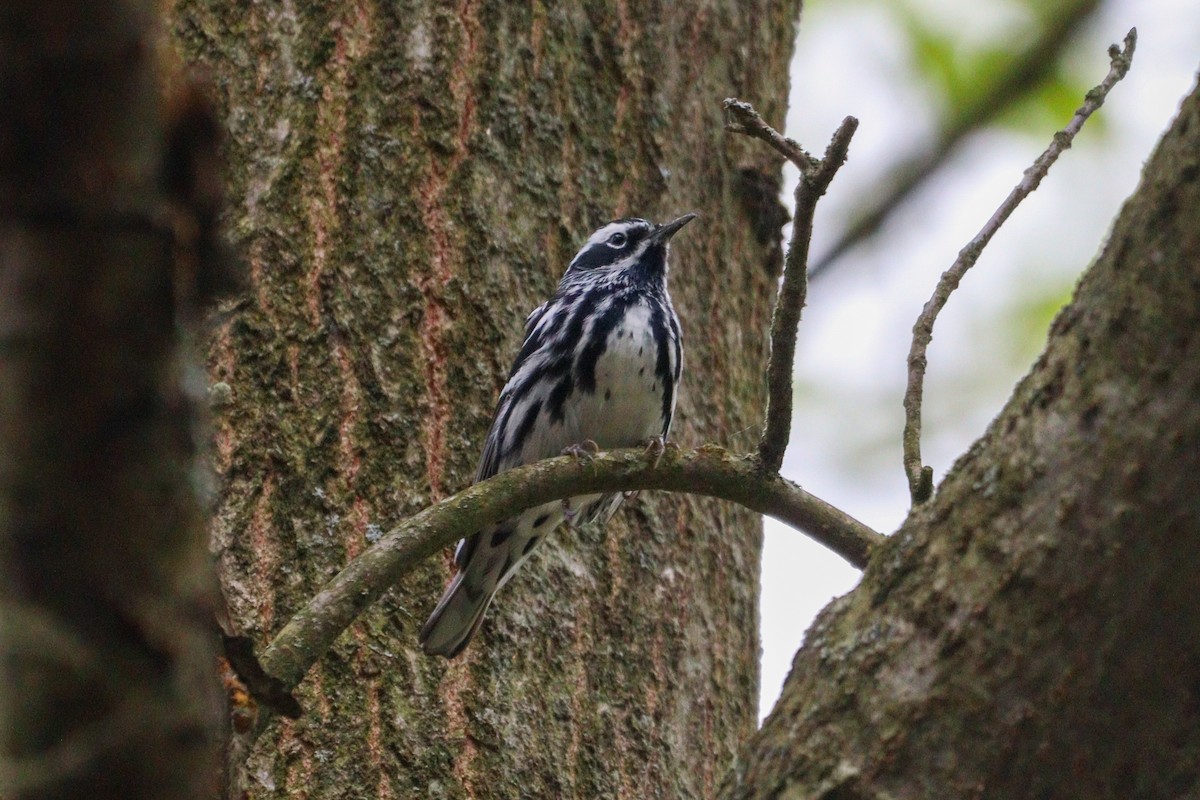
599	367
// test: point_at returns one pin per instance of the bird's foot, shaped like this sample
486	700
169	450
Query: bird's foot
583	452
655	447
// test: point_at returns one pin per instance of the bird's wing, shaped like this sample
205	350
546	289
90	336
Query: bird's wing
677	336
489	461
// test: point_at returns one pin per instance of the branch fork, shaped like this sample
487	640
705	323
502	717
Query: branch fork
815	177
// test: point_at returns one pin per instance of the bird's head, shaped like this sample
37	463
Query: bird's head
630	249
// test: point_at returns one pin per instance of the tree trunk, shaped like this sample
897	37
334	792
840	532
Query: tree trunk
408	182
1034	631
107	646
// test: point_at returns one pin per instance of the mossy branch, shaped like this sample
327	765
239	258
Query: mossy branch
708	470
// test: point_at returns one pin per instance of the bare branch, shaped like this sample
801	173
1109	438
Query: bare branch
742	118
815	176
920	477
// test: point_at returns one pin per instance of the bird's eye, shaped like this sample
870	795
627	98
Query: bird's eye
617	240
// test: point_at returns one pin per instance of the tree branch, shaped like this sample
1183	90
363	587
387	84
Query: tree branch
815	176
708	471
920	477
1023	75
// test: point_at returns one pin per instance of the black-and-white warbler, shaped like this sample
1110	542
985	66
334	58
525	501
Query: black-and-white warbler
601	362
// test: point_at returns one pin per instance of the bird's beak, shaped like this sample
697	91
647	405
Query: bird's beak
663	233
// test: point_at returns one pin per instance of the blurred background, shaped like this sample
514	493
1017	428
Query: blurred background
955	100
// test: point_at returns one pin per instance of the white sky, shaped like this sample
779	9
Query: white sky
850	372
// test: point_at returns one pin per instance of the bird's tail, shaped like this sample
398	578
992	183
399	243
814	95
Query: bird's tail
452	624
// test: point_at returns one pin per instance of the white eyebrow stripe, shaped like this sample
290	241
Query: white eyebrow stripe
622	226
607	231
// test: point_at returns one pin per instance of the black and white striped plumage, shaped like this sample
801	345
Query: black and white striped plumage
601	361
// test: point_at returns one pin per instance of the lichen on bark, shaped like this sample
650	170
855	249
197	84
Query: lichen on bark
1033	631
408	180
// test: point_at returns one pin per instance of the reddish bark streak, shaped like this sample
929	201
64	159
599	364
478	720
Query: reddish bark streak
536	33
457	684
293	359
443	257
613	550
317	693
264	549
568	194
627	40
299	776
374	726
258	285
356	537
351	403
621	111
351	43
433	353
374	715
224	362
322	206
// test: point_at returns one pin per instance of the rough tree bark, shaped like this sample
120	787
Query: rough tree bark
408	181
107	646
1034	631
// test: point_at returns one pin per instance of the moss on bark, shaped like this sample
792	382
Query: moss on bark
1033	631
408	180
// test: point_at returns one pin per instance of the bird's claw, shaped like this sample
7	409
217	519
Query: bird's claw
583	452
655	447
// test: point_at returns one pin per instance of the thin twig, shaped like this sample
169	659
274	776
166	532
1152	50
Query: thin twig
1027	71
708	471
815	176
742	118
920	477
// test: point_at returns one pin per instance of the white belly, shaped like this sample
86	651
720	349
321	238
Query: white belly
626	407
